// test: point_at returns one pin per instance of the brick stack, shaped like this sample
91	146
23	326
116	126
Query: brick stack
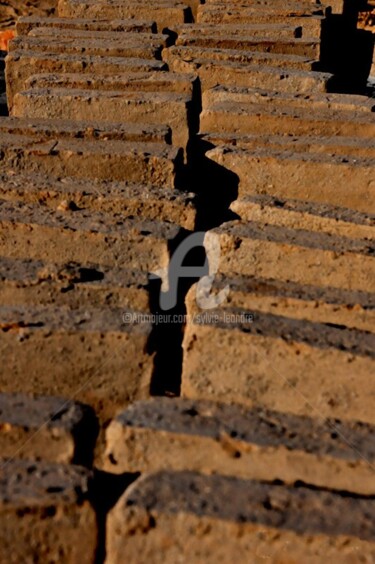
131	125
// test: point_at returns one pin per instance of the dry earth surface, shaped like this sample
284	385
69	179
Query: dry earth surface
238	425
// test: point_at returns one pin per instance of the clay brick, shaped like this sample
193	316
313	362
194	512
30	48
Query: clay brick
297	214
25	24
32	231
46	428
258	118
174	110
126	45
314	101
303	47
22	64
131	81
45	130
165	13
274	4
26	282
189	59
213	72
118	151
45	513
149	202
168	516
214	438
337	307
321	259
98	356
311	25
235	31
340	146
279	362
342	180
94	36
299	6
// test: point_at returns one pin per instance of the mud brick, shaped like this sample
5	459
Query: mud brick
338	307
170	515
26	282
22	64
210	437
315	101
32	231
150	39
45	513
165	13
46	428
126	45
131	81
98	356
321	259
303	47
212	73
311	25
270	4
191	58
276	6
322	177
279	362
172	109
258	118
236	31
45	130
149	202
130	152
25	24
297	214
340	146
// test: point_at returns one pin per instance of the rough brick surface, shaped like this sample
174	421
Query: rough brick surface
45	513
132	124
138	153
164	13
127	199
26	24
46	428
98	356
166	516
166	434
21	65
33	282
281	363
81	236
257	248
310	302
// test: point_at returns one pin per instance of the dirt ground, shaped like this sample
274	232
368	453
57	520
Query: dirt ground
10	10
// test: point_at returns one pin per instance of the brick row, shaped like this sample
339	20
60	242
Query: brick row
166	516
135	152
46	428
249	443
45	513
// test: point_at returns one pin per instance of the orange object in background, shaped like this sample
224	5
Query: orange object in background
5	37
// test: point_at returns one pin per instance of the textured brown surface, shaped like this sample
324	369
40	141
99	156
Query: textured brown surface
11	10
46	428
45	513
210	519
134	123
231	440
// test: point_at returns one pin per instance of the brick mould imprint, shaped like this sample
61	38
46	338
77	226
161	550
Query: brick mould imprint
236	424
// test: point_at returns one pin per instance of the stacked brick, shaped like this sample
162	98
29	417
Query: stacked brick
122	117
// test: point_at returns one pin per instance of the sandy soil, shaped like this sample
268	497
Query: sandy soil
10	10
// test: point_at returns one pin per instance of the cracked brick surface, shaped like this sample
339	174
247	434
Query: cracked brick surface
239	424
